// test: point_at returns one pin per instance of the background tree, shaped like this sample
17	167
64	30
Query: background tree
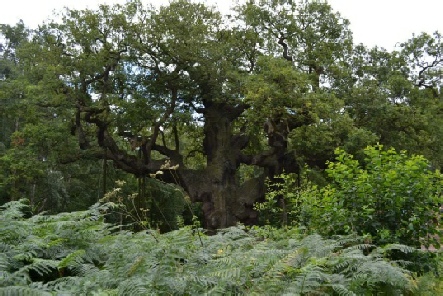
34	131
396	95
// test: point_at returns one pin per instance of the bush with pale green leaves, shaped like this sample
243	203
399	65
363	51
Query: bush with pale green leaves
390	198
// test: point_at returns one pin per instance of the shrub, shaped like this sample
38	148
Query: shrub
392	198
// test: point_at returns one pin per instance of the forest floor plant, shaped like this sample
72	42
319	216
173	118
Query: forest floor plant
79	254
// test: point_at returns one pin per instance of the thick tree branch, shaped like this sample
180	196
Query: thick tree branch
156	129
281	41
174	155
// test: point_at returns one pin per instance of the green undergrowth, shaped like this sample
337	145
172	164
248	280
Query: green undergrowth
78	253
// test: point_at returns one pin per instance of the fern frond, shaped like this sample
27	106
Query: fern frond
382	274
318	246
13	210
26	256
132	288
84	269
228	273
341	290
64	284
4	262
311	280
399	247
72	259
41	266
20	290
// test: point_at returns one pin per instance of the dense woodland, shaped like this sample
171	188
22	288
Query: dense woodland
251	153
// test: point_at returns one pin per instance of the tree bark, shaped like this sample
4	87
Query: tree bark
222	205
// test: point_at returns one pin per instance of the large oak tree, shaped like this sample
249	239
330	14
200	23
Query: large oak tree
192	97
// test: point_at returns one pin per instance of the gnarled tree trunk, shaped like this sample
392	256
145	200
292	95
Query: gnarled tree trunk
225	200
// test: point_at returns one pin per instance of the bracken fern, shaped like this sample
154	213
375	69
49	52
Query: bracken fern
79	254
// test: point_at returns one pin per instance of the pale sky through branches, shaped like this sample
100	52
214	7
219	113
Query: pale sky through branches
373	22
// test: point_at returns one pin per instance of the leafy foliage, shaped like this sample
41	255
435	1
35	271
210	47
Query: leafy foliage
227	102
282	203
271	87
391	198
77	253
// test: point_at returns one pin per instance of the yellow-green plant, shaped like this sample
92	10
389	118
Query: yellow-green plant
391	197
